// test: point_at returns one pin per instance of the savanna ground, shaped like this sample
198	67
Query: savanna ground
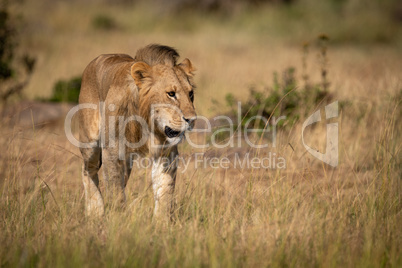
308	214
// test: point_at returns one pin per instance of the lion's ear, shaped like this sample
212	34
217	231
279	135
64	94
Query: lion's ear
139	71
187	67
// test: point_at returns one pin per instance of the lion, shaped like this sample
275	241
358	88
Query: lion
142	105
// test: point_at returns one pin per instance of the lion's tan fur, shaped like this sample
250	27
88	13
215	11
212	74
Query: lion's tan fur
127	87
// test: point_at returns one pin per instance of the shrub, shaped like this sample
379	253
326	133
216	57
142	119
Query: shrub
103	22
6	45
286	96
66	90
11	82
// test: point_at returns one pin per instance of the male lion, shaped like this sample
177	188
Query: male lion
139	105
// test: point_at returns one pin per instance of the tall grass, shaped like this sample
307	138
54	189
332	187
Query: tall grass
306	215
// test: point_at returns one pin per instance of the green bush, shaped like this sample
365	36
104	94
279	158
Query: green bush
103	22
286	96
66	90
12	82
6	45
282	98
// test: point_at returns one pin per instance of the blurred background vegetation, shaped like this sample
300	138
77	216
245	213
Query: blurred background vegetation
61	37
279	58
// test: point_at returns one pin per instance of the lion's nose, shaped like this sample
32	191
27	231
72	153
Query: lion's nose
190	120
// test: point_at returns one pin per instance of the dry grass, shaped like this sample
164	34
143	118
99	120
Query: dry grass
306	215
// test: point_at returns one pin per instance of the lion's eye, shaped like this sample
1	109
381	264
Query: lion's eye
191	95
172	94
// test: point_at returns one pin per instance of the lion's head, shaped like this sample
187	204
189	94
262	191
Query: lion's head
166	91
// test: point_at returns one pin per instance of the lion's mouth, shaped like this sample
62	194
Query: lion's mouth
170	133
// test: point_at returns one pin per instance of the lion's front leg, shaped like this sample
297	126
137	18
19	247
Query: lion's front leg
163	182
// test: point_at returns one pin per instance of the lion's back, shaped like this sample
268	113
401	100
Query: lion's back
101	73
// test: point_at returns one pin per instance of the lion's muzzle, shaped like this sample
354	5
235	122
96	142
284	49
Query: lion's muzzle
190	122
170	133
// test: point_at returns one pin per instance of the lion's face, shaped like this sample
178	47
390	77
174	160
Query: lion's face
168	94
